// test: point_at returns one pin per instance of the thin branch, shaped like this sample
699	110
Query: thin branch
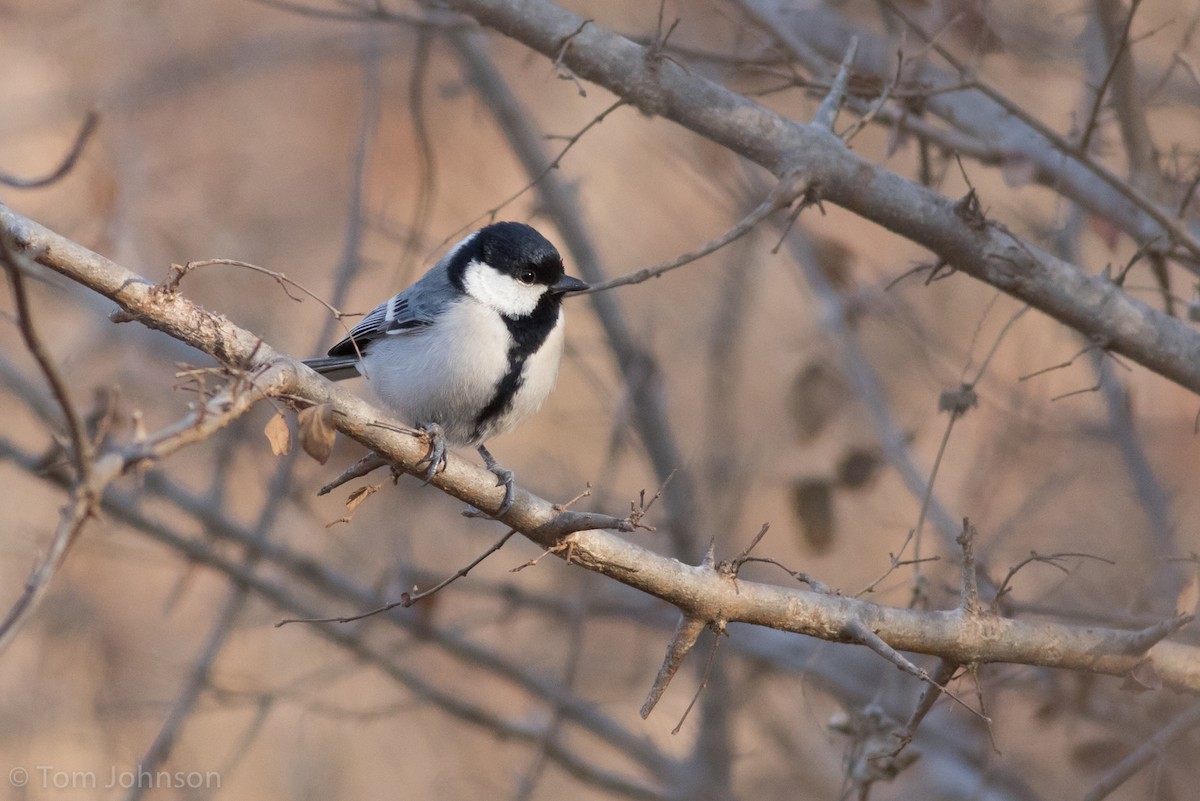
554	164
781	196
1122	46
827	112
172	281
407	600
969	598
81	448
85	490
708	666
74	515
1144	753
90	122
1048	559
1141	641
368	13
198	426
957	409
862	634
929	696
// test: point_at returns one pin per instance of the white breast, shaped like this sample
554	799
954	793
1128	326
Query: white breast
447	373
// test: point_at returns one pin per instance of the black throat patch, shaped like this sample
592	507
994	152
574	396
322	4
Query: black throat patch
528	333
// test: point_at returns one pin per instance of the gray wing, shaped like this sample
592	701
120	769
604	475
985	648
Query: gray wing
412	310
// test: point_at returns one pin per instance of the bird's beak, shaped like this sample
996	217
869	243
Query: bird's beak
567	284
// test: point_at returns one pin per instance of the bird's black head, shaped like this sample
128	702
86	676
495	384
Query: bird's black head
511	267
520	252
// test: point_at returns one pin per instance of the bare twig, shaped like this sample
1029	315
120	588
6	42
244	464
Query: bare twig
708	666
1122	45
367	464
929	696
90	121
406	599
198	426
172	281
862	634
533	182
1179	233
780	197
827	112
969	601
85	490
1144	753
81	448
1048	559
367	12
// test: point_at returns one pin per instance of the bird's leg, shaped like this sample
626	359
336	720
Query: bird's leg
436	456
503	477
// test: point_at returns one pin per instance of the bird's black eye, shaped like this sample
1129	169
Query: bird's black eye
526	276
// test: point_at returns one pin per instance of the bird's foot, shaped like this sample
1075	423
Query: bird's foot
504	478
436	455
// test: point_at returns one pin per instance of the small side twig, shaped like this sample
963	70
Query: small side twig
177	272
1049	559
367	464
718	631
826	116
861	633
969	602
941	677
895	563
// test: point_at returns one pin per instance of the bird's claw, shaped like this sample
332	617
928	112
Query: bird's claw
504	478
436	455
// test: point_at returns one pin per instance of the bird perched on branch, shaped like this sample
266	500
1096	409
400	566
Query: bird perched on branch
472	348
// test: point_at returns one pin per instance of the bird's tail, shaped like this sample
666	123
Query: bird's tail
336	368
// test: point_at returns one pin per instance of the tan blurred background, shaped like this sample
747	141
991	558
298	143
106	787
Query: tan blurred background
234	130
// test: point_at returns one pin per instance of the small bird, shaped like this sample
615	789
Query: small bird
472	348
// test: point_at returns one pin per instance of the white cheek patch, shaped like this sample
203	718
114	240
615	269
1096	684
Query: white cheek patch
503	293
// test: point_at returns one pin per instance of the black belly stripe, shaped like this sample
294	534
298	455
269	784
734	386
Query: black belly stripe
506	391
528	333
